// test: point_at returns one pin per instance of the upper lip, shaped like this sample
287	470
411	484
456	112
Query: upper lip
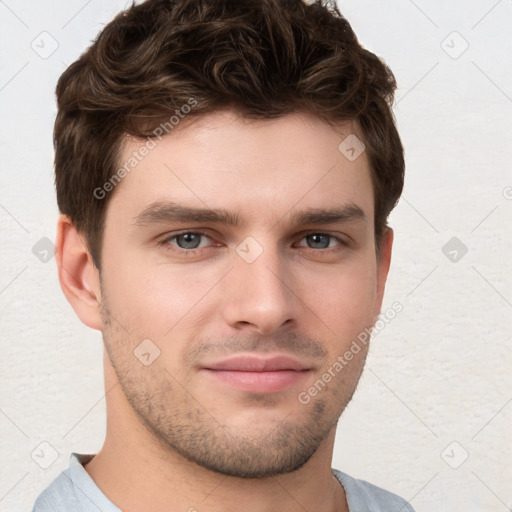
254	363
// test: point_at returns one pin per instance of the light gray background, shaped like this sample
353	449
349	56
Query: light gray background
437	386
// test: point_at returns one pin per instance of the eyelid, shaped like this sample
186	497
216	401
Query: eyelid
175	234
341	241
341	237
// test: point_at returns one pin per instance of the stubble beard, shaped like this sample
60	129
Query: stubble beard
180	422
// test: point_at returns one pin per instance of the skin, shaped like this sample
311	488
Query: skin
206	444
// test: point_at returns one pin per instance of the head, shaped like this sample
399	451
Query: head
212	218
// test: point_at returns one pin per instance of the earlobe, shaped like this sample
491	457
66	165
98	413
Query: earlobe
383	264
78	276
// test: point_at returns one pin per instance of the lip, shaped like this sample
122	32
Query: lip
253	363
256	374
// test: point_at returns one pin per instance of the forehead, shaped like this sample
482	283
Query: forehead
254	168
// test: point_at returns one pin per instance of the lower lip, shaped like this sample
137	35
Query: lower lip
259	382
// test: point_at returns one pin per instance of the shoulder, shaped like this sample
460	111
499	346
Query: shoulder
58	496
73	490
363	496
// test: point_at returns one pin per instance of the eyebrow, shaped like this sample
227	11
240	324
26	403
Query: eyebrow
346	213
161	212
166	212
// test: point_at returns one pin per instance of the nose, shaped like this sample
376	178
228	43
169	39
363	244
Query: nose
260	295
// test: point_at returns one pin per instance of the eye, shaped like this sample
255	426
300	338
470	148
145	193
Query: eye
187	241
322	241
190	242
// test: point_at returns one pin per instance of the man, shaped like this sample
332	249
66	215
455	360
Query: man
224	173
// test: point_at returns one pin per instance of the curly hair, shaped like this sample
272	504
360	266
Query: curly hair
262	58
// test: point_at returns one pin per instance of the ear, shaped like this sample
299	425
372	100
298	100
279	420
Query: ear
383	263
79	278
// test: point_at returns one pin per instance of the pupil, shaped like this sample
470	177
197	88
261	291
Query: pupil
317	241
190	241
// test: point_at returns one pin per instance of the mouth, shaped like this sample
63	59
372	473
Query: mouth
256	374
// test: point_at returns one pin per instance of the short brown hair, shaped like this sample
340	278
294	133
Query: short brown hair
263	58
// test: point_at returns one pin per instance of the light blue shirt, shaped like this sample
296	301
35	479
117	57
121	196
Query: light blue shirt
75	491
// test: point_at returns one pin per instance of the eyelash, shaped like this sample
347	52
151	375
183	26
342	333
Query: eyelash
192	252
178	250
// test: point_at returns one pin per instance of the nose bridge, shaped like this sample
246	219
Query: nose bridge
259	289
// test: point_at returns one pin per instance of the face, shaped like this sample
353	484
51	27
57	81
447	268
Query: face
238	264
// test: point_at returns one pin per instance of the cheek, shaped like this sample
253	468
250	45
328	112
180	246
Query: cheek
157	301
344	298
